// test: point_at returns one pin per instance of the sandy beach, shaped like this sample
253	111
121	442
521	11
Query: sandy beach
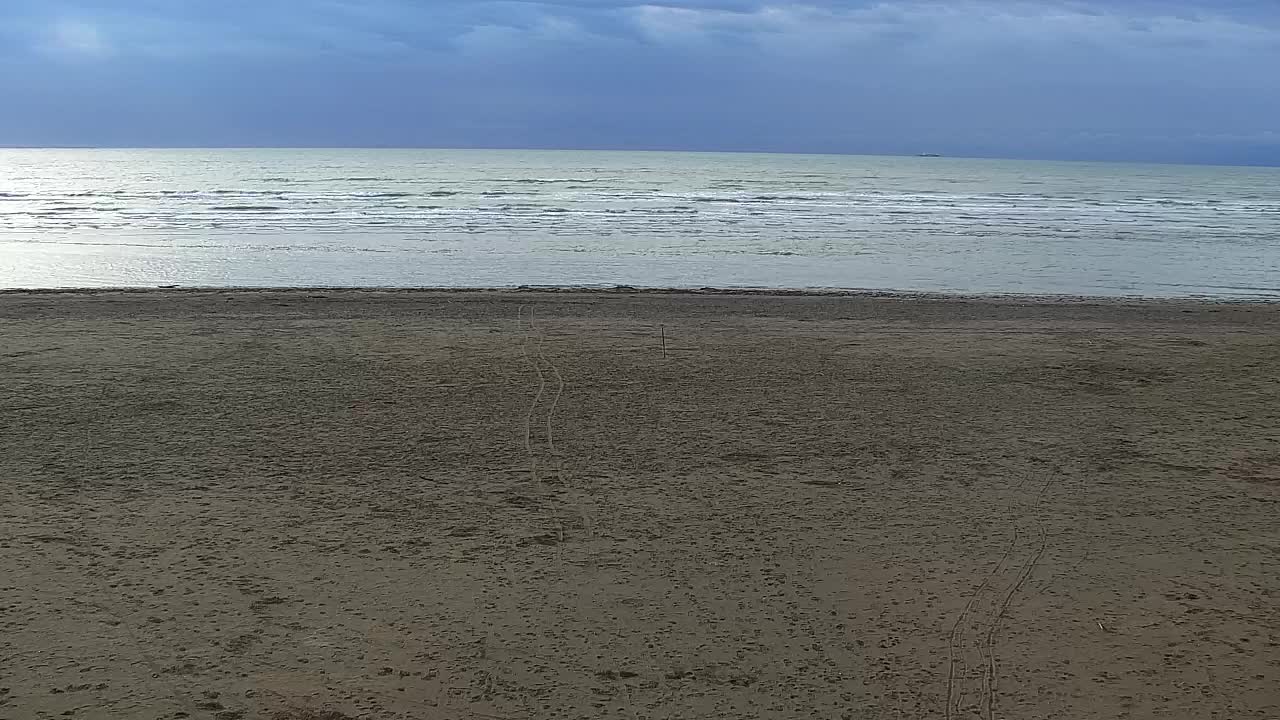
411	504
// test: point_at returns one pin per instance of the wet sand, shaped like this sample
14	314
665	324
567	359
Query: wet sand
514	505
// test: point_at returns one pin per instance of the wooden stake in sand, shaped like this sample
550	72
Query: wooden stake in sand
663	328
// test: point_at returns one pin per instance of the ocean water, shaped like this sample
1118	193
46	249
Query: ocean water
463	218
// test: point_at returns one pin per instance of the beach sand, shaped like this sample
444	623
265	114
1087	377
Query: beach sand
513	505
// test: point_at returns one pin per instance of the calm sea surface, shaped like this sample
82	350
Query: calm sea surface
505	218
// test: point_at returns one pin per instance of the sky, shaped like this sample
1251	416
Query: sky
1168	81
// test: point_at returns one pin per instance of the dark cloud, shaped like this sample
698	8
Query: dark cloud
1170	80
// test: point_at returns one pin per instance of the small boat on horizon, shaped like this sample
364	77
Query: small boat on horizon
929	155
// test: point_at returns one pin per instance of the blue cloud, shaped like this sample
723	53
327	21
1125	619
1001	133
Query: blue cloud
1182	79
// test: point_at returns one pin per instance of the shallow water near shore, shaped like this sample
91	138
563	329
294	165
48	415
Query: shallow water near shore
453	218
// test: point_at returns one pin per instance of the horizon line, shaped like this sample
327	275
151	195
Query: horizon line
921	155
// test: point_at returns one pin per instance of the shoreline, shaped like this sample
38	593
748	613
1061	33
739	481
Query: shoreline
624	290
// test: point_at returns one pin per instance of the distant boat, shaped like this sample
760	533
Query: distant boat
928	155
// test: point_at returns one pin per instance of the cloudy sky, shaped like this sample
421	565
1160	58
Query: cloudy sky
1168	80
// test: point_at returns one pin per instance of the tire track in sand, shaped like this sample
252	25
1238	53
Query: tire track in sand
537	399
986	623
538	358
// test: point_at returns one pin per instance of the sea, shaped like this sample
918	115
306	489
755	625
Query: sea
501	218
